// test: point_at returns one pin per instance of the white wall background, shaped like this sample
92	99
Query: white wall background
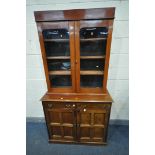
118	79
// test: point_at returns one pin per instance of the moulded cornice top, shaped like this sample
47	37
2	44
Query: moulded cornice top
77	14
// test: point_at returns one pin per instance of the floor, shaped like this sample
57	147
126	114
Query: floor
37	142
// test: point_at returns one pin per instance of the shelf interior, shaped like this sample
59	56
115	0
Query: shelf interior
92	81
92	39
57	57
59	72
92	57
92	72
56	40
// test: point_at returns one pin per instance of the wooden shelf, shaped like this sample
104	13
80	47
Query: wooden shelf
92	39
91	126
92	57
58	40
58	57
93	72
59	72
63	124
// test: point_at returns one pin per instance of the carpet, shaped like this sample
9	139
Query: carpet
37	142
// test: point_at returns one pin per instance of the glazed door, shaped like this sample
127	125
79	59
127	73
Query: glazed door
57	46
92	42
92	121
61	121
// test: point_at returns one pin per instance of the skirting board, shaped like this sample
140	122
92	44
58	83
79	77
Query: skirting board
111	122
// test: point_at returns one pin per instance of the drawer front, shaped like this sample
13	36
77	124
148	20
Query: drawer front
61	122
64	105
92	122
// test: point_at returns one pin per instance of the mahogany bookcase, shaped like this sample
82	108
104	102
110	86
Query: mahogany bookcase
75	47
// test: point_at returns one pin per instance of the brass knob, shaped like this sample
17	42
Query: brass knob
84	110
68	105
73	105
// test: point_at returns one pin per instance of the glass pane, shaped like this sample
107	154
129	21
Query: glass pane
91	81
93	32
92	56
54	65
93	47
57	50
60	80
93	41
56	42
92	64
56	34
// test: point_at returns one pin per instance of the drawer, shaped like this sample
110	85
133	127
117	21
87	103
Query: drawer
58	105
101	106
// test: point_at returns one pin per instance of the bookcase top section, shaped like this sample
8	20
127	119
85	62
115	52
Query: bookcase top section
77	14
77	98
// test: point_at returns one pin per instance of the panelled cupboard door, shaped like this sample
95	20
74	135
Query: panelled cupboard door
92	123
92	43
61	122
57	47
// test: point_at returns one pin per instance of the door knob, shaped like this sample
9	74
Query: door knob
84	109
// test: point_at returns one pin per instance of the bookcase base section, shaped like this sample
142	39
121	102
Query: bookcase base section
77	122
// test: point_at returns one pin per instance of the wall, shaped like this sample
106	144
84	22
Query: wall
118	80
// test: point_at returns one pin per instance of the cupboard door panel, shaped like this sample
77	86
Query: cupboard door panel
61	122
92	122
92	45
57	46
